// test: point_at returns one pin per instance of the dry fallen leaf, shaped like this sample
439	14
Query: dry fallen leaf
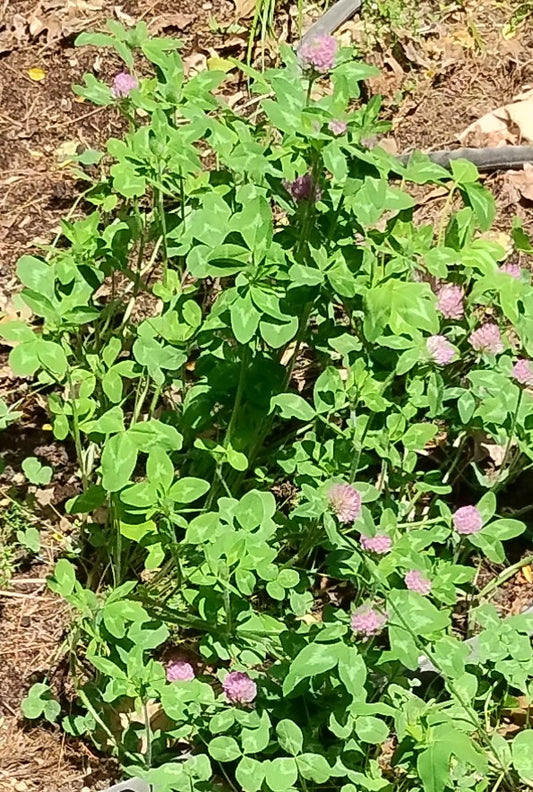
495	128
194	63
244	8
520	183
37	74
164	21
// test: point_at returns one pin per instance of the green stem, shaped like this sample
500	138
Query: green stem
77	434
510	439
238	396
148	731
507	573
445	215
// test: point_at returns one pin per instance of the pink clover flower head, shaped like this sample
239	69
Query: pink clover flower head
440	350
239	688
180	671
467	520
345	502
338	127
123	84
379	544
487	338
415	581
513	270
366	620
318	53
523	371
450	301
303	189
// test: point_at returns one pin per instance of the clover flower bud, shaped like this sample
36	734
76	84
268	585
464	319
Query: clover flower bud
467	520
379	544
239	688
368	621
415	581
440	350
487	338
180	671
318	53
123	84
523	372
450	301
345	502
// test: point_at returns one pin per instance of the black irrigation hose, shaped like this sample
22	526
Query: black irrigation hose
485	159
333	18
491	158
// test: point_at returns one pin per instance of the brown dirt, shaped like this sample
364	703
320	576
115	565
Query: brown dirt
434	85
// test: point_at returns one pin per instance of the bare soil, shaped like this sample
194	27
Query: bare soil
435	83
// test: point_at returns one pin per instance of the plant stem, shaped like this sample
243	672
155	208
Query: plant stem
148	730
507	573
510	439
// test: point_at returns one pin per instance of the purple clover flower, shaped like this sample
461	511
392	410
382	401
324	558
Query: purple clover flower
368	621
440	350
512	269
303	189
467	520
487	338
239	688
123	84
523	372
180	671
345	502
415	581
450	301
379	544
318	53
338	127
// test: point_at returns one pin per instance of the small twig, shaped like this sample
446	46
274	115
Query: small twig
17	595
78	118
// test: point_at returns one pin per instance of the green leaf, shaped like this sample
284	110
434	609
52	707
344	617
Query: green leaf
110	422
487	506
352	671
188	489
35	472
224	749
255	740
153	433
91	499
118	461
244	318
277	334
293	406
313	659
314	767
464	172
407	308
419	435
281	774
40	702
24	360
290	736
482	202
37	275
505	529
433	766
408	608
64	578
127	181
522	753
250	774
371	730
